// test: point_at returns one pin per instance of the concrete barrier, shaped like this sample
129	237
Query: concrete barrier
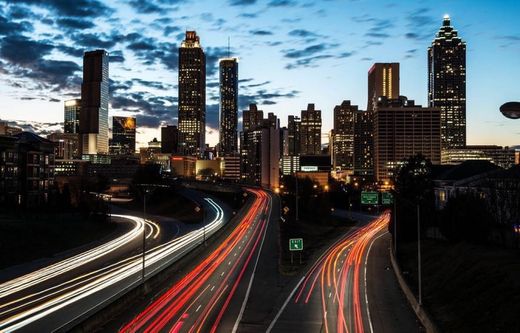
421	313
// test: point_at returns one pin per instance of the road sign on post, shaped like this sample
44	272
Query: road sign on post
369	198
387	198
296	244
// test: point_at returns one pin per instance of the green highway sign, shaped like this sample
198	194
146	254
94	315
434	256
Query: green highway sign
387	198
296	244
369	198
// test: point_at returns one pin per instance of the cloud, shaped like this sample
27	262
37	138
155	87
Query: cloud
282	3
9	27
93	40
259	32
308	51
75	23
302	33
242	2
76	8
308	62
421	25
116	56
20	50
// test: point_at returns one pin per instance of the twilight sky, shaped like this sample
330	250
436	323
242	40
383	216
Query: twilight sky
291	53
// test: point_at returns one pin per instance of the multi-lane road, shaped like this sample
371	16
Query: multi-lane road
332	296
212	295
55	296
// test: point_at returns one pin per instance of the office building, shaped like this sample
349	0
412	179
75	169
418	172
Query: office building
260	148
363	144
231	167
93	123
66	145
169	139
310	131
401	130
447	84
192	96
501	156
383	80
5	129
123	136
26	171
293	127
72	111
342	138
228	142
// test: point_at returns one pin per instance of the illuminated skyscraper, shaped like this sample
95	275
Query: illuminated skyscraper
363	143
447	84
192	96
123	136
93	123
293	128
228	106
343	136
383	80
310	131
71	116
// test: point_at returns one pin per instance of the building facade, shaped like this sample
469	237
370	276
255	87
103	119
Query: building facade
66	145
363	143
72	111
192	96
26	170
447	84
93	123
383	80
310	131
169	139
403	129
228	142
123	136
342	138
501	156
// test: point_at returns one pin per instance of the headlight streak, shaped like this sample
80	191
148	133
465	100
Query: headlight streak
57	297
177	307
343	282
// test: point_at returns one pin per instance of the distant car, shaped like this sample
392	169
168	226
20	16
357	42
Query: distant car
511	110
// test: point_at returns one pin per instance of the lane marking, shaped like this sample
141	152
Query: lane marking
242	309
365	278
212	288
198	308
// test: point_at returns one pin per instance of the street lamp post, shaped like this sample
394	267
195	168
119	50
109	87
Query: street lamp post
297	198
419	254
144	233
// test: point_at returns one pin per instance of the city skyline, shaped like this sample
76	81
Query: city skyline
323	66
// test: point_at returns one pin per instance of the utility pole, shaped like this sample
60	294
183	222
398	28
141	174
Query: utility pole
296	177
144	233
395	227
419	254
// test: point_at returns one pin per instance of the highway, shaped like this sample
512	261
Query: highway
211	297
52	297
332	296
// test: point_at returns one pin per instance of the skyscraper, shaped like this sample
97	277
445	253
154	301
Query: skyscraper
363	143
93	123
342	150
192	96
383	80
447	84
228	106
169	139
403	129
72	111
123	136
293	127
310	131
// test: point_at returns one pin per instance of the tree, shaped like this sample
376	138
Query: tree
466	217
206	173
413	187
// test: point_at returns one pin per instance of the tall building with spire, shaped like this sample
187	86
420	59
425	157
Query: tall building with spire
93	121
192	96
447	84
228	143
383	80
